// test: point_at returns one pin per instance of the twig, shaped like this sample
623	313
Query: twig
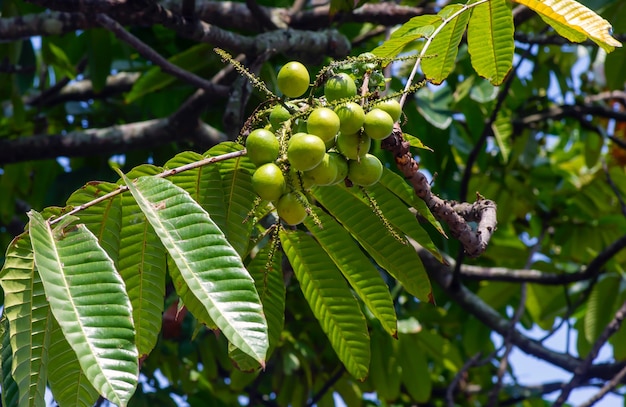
164	174
147	52
429	40
582	368
327	386
458	377
608	386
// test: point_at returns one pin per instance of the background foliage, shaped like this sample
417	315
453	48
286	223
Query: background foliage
547	145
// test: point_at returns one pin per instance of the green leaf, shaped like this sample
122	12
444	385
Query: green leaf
192	60
490	40
385	367
415	370
103	219
99	57
189	299
239	197
434	106
416	28
142	264
416	142
53	55
68	383
204	184
356	268
445	44
10	393
398	214
358	218
593	149
79	278
503	130
330	299
28	314
209	265
601	306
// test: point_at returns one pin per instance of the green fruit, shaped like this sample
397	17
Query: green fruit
368	66
300	180
366	171
392	107
278	115
353	145
324	173
378	124
268	182
305	151
290	210
351	117
262	146
339	86
342	166
293	79
324	123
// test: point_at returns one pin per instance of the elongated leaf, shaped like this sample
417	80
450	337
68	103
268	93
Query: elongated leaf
385	368
445	45
238	195
210	266
99	56
189	299
204	184
490	40
398	259
399	216
330	299
79	278
141	264
601	306
416	28
577	17
192	59
10	393
360	272
104	219
68	383
415	370
28	315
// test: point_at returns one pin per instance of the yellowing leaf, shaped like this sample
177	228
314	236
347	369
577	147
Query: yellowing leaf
574	15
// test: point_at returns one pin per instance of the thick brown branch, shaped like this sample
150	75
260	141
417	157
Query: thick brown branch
482	211
83	90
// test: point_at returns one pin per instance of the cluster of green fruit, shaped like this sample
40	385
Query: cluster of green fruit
320	145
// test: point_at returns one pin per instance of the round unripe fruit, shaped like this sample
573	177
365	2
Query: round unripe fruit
378	124
305	151
290	209
366	171
300	180
268	182
324	123
324	173
342	166
278	115
392	107
262	146
339	86
353	145
351	117
293	79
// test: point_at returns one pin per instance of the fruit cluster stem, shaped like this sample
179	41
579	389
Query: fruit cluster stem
456	215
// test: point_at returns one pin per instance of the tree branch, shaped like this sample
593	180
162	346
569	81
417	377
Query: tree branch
473	304
455	215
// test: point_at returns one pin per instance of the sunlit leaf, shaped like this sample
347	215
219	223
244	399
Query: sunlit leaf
209	265
29	317
445	45
416	28
490	40
78	278
10	393
577	17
